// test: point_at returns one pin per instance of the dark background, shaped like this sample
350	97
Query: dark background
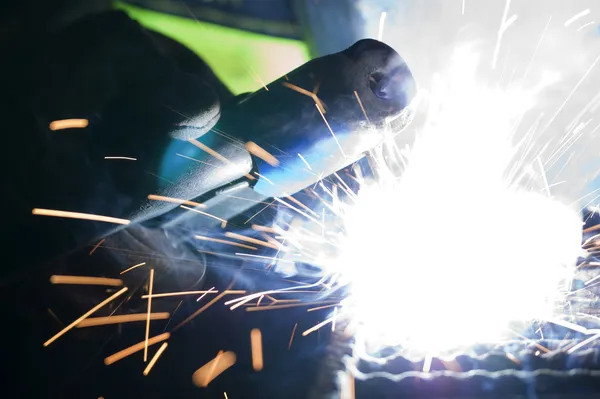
33	310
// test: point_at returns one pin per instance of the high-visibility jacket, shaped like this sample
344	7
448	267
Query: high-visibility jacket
246	43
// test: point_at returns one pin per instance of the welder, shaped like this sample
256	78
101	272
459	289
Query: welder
142	96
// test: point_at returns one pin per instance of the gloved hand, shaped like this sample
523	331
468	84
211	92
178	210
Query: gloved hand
136	97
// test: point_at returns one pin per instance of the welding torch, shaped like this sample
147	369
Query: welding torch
293	132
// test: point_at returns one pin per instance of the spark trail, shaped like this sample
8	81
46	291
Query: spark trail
467	240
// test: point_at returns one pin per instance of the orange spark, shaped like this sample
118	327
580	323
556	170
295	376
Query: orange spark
154	197
307	93
322	307
292	337
205	374
202	309
78	215
126	318
273	300
251	240
353	178
257	213
148	314
540	347
212	368
315	328
179	293
69	124
295	201
264	257
513	358
266	229
275	307
316	89
85	280
87	314
204	213
155	358
261	153
122	158
273	241
133	267
220	241
135	348
331	208
256	347
361	106
97	245
215	154
351	390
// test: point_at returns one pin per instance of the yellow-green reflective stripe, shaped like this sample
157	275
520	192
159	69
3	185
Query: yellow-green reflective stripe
242	60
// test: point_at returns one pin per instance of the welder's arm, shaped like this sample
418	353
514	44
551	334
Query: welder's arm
107	70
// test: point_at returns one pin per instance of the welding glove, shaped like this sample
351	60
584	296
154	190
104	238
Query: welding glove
137	90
